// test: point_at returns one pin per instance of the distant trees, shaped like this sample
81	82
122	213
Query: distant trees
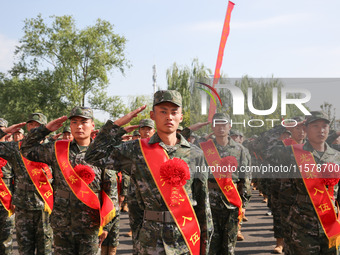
60	66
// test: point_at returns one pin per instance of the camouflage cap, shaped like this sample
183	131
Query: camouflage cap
171	96
317	115
67	129
221	116
81	111
135	133
3	122
180	128
146	123
235	132
38	117
292	122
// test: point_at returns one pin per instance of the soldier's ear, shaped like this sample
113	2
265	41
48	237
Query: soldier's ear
152	115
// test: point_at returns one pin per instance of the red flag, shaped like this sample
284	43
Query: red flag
224	37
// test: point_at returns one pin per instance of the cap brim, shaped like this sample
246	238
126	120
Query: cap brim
82	116
308	122
169	101
41	123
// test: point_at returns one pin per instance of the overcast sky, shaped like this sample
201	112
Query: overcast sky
267	37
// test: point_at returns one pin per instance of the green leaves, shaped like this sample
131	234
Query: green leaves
66	65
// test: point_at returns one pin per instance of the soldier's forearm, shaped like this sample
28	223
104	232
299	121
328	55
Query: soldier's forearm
32	143
100	148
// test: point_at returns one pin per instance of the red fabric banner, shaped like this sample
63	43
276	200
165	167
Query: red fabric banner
175	198
224	37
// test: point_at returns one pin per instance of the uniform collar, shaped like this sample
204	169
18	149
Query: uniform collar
182	141
308	147
231	143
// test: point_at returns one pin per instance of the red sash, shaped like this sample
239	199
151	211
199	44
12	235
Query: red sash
5	193
179	206
80	189
40	181
289	141
223	180
318	194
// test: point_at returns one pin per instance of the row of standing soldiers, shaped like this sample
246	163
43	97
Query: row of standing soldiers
80	228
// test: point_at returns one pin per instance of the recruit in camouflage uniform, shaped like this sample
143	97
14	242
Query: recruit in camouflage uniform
6	221
157	235
32	223
281	191
225	214
75	225
306	232
146	130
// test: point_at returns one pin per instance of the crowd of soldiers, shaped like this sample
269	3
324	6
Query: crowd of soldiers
64	193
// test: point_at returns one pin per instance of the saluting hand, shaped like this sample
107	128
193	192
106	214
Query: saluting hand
56	124
198	125
128	117
129	129
14	128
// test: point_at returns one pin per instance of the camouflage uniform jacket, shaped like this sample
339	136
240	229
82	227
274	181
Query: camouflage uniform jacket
217	199
156	236
68	210
302	210
28	199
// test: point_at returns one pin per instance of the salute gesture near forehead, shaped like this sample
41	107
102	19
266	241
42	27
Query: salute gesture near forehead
58	123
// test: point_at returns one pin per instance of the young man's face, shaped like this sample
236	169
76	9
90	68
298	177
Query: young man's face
17	136
81	128
167	117
298	132
236	138
146	132
317	131
221	129
32	124
67	136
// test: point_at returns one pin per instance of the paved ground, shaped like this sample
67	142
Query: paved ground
258	232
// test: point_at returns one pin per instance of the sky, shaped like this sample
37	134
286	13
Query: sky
291	39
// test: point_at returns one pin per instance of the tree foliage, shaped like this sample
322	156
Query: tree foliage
59	66
183	79
78	61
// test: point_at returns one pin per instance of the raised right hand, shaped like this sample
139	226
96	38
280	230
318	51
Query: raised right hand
56	124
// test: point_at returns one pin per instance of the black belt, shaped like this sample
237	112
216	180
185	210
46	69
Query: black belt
160	216
26	187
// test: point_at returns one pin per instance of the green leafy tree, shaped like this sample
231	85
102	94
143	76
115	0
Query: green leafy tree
21	96
184	80
80	59
138	101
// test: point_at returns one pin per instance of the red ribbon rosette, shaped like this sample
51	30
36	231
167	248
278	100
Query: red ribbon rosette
86	173
175	172
330	177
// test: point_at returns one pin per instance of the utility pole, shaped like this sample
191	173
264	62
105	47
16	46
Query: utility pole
154	78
